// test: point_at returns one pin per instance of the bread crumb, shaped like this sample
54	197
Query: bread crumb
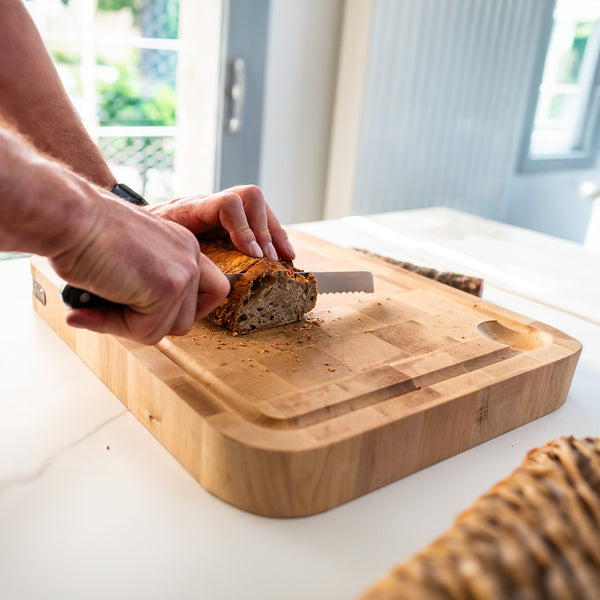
330	369
108	447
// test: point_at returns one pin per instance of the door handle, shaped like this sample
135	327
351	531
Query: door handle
237	94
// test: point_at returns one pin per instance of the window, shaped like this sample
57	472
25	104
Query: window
563	124
118	61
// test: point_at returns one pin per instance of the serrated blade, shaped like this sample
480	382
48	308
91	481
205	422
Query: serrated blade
333	282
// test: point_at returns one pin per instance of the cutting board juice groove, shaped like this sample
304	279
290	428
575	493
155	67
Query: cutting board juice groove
368	389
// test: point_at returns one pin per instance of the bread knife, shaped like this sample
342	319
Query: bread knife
328	282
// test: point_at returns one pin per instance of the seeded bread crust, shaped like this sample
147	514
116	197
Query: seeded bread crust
268	293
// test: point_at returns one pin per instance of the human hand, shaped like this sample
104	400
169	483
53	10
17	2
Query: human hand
151	266
239	211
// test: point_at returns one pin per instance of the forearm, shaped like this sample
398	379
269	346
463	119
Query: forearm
34	102
43	206
149	266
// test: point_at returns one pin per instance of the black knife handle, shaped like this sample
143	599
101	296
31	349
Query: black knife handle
78	298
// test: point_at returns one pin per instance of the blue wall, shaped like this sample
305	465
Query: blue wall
550	202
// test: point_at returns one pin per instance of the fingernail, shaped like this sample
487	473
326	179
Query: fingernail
271	252
290	248
255	250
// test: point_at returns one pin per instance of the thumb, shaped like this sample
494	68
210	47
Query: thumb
213	287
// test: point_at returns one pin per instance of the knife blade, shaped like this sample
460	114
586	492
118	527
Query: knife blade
332	282
328	282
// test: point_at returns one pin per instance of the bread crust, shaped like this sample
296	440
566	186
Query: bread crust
535	535
268	293
466	283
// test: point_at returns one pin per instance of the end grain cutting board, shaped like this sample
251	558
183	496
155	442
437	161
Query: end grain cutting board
367	389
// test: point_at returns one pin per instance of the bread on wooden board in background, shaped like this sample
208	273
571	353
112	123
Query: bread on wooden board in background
533	536
466	283
269	293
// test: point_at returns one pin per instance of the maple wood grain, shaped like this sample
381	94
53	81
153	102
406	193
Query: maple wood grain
367	389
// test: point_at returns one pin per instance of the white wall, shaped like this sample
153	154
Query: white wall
302	58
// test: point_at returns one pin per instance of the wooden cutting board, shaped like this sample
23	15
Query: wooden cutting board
367	389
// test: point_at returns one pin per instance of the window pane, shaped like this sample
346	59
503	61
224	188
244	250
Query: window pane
144	163
118	61
145	18
563	102
137	88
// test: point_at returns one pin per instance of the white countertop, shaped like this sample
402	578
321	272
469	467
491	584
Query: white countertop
92	506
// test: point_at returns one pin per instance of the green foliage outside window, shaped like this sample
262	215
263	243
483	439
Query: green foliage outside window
128	101
157	18
571	63
117	4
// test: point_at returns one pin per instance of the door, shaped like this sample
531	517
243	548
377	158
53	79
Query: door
245	36
220	93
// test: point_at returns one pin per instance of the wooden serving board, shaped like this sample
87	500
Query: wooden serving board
367	389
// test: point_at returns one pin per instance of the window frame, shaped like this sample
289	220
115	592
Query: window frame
578	158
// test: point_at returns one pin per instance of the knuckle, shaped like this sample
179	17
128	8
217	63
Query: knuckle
176	280
173	282
231	198
254	191
246	232
263	235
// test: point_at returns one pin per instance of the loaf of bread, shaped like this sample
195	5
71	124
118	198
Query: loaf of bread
466	283
268	293
533	536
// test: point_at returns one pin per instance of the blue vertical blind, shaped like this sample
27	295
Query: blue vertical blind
445	95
